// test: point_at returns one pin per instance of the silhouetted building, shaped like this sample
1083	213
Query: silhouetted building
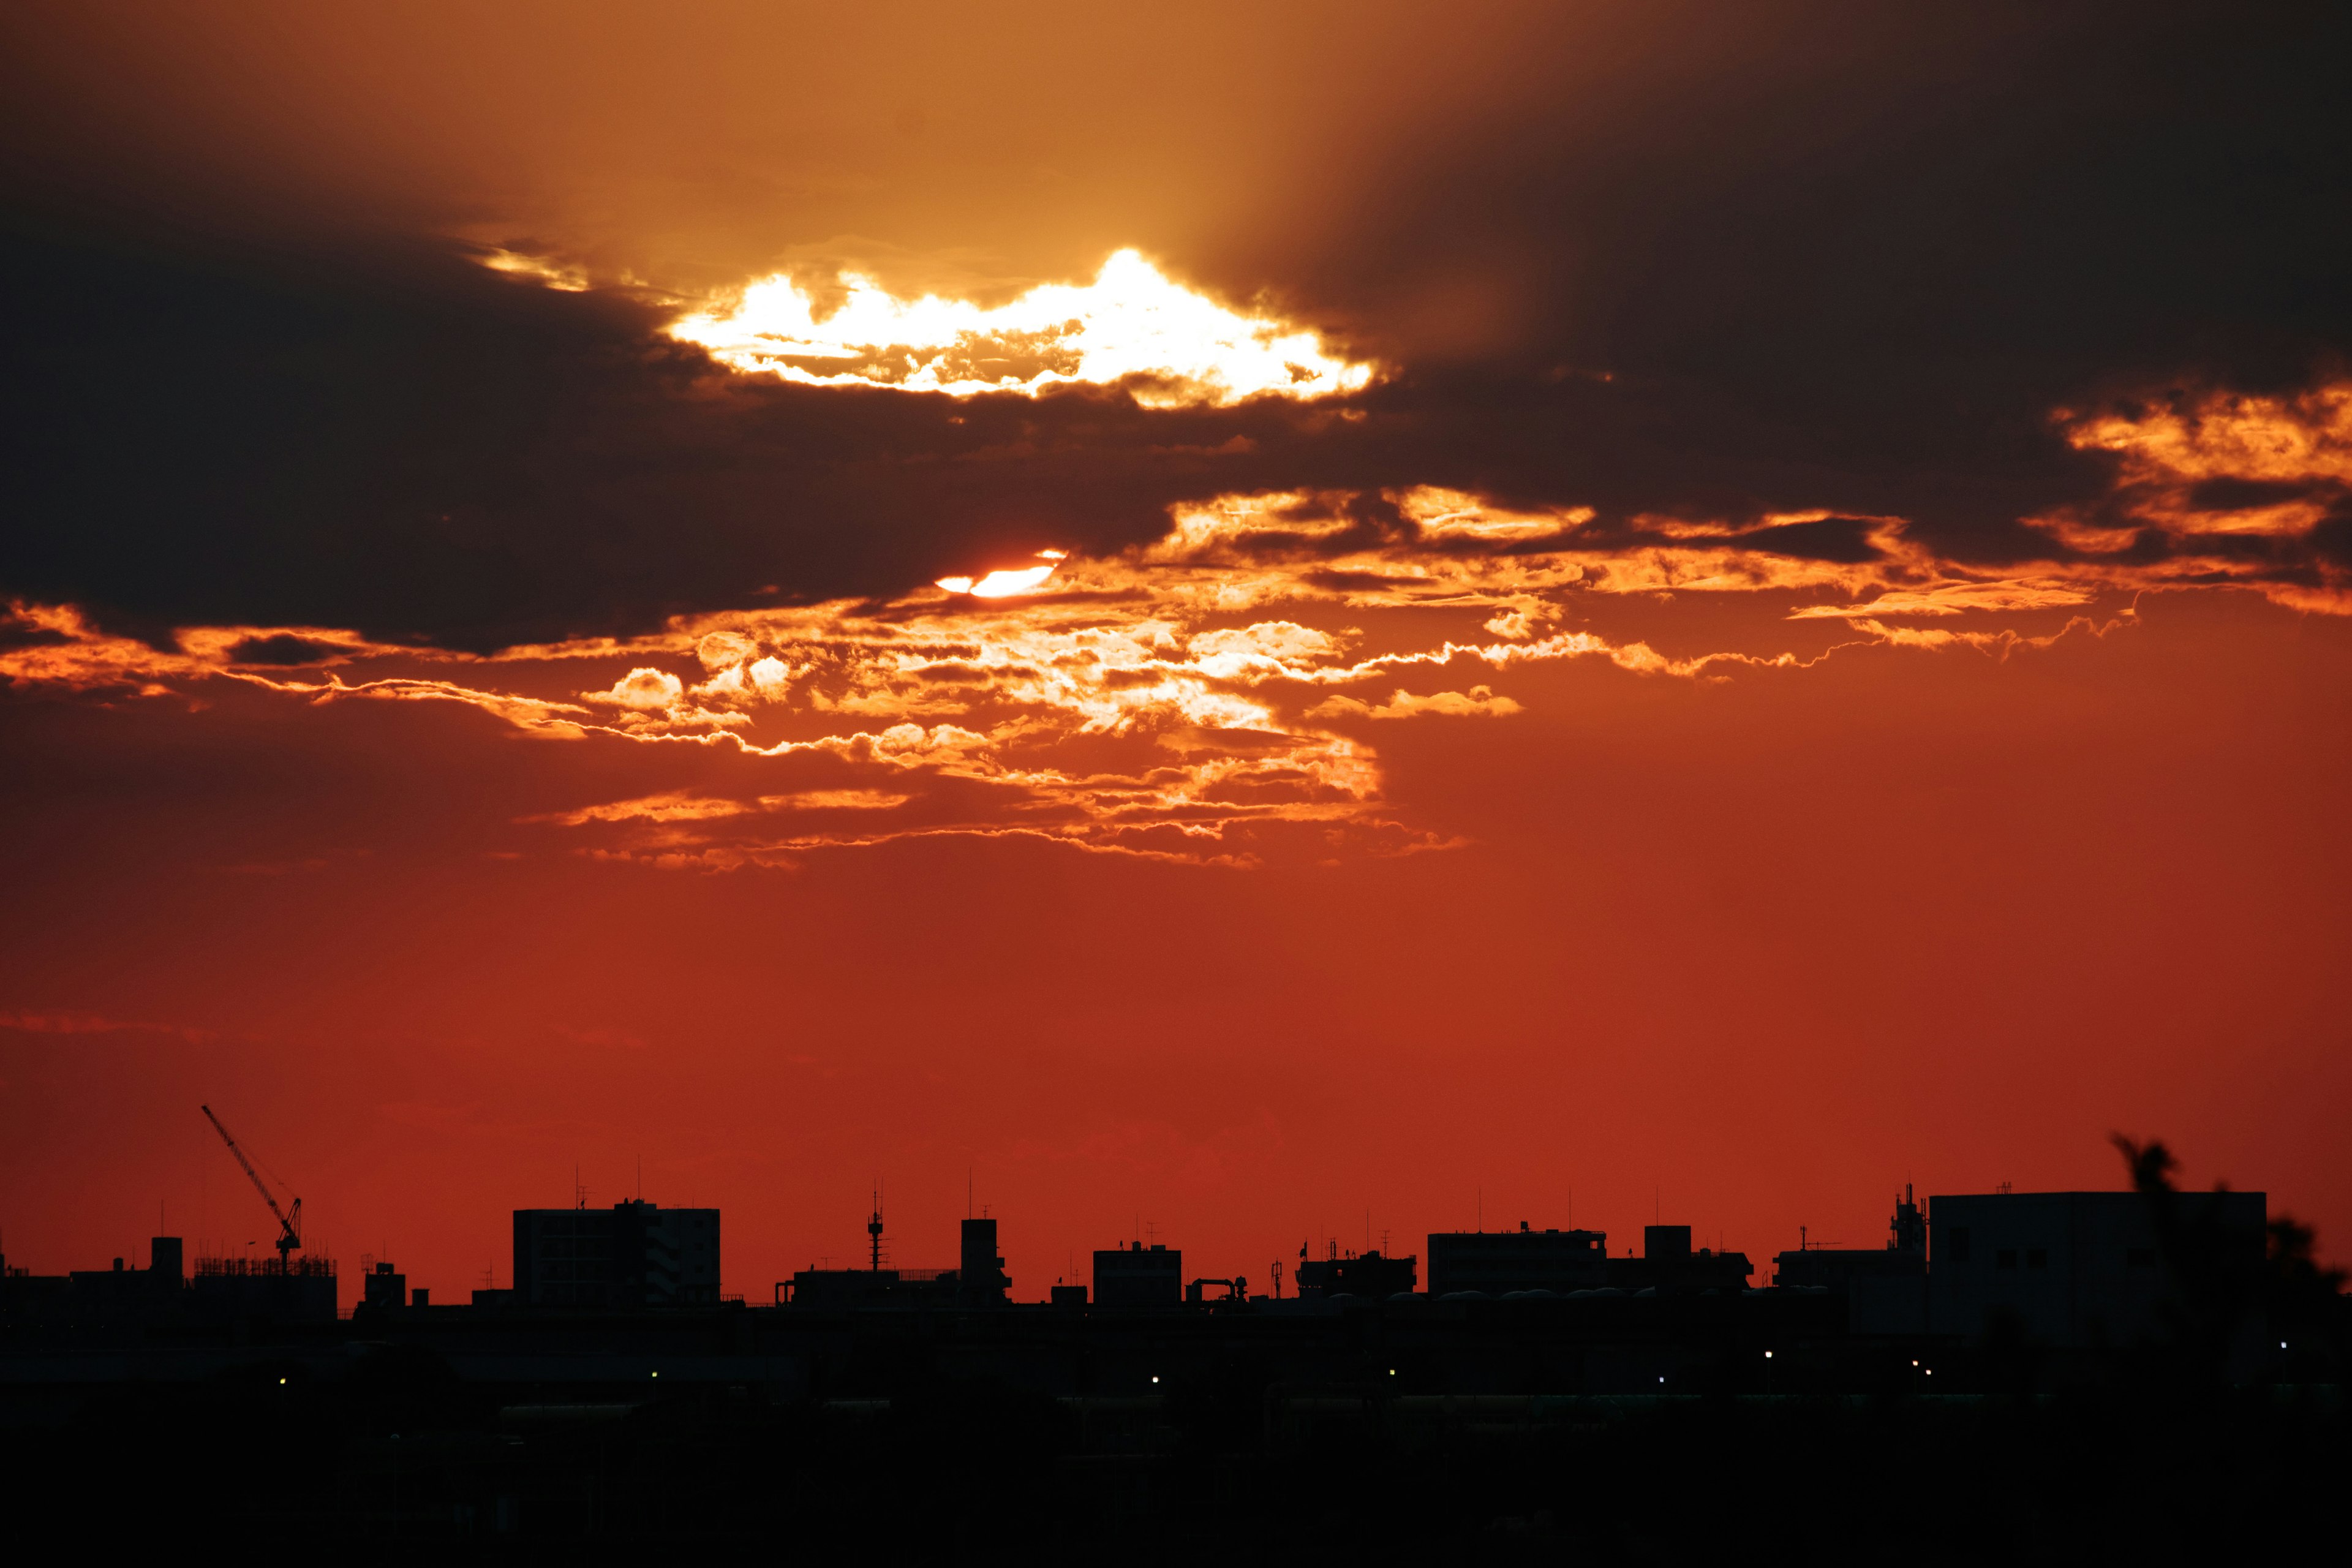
282	1289
1368	1274
1139	1276
1069	1295
1493	1262
2081	1268
1885	1287
981	1281
875	1286
124	1295
384	1288
1668	1266
29	1297
634	1254
850	1290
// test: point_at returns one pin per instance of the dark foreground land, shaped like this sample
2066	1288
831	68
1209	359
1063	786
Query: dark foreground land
1369	1435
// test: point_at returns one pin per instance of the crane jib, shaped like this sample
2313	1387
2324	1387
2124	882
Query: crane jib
289	1225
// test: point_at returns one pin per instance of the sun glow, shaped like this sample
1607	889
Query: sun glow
1006	582
1171	346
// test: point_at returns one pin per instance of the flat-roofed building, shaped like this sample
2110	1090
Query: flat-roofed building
634	1254
1667	1265
852	1289
980	1279
1368	1274
1494	1261
1139	1276
120	1293
296	1290
2078	1268
1885	1287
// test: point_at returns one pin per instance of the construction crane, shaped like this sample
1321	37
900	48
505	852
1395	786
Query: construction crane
290	1222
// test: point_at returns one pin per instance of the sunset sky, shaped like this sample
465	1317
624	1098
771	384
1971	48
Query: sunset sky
1244	624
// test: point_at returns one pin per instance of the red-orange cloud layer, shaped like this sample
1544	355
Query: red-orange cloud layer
1212	694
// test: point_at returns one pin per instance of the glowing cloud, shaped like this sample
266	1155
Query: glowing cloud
670	805
549	274
2215	463
1204	698
1131	324
1477	700
643	688
1451	514
2301	439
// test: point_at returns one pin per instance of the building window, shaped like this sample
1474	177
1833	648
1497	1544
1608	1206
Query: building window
2005	1257
1960	1248
2140	1258
2037	1257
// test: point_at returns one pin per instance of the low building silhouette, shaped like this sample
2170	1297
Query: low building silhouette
877	1285
1497	1262
1885	1288
280	1291
854	1290
1668	1266
1367	1274
29	1297
382	1288
132	1294
1138	1276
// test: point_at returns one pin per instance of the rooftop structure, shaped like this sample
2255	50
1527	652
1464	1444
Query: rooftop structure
1366	1275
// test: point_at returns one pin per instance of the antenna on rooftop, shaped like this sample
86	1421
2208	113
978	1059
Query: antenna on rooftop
873	1230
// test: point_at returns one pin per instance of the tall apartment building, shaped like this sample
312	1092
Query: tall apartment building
634	1254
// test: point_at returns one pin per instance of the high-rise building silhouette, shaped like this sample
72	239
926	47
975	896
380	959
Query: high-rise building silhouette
634	1254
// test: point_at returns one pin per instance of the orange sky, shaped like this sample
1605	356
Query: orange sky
1782	632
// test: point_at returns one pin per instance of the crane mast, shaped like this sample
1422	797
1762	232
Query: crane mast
289	1225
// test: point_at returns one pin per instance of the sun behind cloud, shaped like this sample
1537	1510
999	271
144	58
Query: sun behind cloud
1173	347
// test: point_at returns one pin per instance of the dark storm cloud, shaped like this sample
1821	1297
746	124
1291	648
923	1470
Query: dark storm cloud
1759	259
1881	245
421	448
